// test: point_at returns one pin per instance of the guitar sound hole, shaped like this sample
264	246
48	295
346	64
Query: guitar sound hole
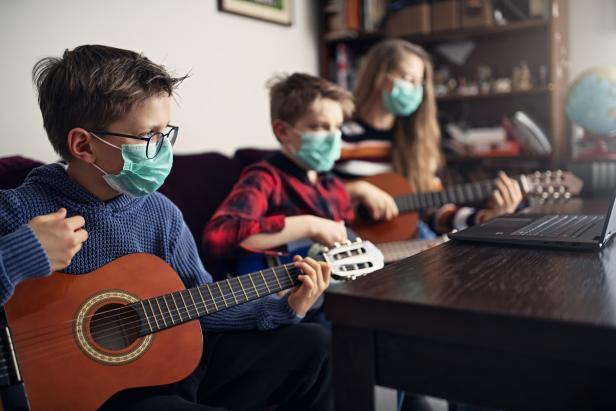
115	326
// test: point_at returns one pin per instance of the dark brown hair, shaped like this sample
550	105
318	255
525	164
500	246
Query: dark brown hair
290	96
93	86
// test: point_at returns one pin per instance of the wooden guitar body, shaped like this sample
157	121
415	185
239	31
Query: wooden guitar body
403	227
68	366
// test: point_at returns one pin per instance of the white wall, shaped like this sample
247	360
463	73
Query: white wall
222	106
592	34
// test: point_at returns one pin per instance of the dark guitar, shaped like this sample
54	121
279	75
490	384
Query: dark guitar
131	323
546	185
12	392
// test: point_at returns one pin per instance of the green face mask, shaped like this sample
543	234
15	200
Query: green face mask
404	98
320	149
140	175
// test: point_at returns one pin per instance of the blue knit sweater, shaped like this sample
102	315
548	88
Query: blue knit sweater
123	225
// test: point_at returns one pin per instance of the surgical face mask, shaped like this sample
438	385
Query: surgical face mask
320	149
140	175
404	98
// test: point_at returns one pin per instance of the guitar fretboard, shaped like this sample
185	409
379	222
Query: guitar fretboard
179	307
470	193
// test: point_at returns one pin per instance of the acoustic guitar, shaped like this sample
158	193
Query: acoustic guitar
544	185
79	339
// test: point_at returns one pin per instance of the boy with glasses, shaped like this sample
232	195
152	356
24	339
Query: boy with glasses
106	112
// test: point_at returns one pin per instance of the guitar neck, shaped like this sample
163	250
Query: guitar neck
470	193
398	250
176	308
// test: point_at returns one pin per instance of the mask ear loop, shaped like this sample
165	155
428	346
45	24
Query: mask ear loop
109	144
288	145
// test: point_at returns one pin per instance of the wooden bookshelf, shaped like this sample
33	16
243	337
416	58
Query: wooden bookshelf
441	37
515	93
539	42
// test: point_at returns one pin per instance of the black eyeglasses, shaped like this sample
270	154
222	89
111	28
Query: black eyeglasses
154	140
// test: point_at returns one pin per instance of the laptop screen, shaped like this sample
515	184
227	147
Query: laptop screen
610	227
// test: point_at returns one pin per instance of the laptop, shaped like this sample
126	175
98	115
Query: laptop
572	231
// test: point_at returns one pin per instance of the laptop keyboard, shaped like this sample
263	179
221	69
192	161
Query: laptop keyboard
560	226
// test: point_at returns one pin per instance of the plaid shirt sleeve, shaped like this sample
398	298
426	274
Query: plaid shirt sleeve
242	214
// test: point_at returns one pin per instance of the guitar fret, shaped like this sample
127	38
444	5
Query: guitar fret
222	295
194	302
276	277
232	292
242	287
451	196
469	192
161	312
461	194
203	299
212	295
185	306
177	309
478	189
254	286
289	275
435	200
169	310
265	281
488	187
152	309
145	314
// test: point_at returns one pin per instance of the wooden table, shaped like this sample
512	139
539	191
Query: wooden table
501	326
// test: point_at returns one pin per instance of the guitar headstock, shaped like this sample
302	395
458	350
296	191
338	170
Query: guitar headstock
353	259
551	184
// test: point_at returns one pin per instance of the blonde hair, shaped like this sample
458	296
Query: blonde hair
416	146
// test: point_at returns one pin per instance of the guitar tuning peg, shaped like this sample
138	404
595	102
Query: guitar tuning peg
358	240
325	249
336	244
567	195
348	242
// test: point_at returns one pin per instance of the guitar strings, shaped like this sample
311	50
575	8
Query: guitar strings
60	345
217	301
27	351
267	273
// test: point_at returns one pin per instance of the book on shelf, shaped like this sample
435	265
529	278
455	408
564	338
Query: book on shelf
347	18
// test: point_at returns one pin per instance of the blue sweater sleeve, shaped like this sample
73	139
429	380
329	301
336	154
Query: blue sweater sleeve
264	313
21	256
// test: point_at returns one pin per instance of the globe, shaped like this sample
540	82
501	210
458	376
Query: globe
591	102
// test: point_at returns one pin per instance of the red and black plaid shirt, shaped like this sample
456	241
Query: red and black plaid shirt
265	194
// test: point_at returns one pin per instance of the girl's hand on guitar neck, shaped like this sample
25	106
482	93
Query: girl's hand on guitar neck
315	279
504	200
380	204
60	237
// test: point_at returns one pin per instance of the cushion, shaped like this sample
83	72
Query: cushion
13	170
197	184
248	156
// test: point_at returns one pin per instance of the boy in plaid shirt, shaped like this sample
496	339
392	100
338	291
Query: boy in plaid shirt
294	195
